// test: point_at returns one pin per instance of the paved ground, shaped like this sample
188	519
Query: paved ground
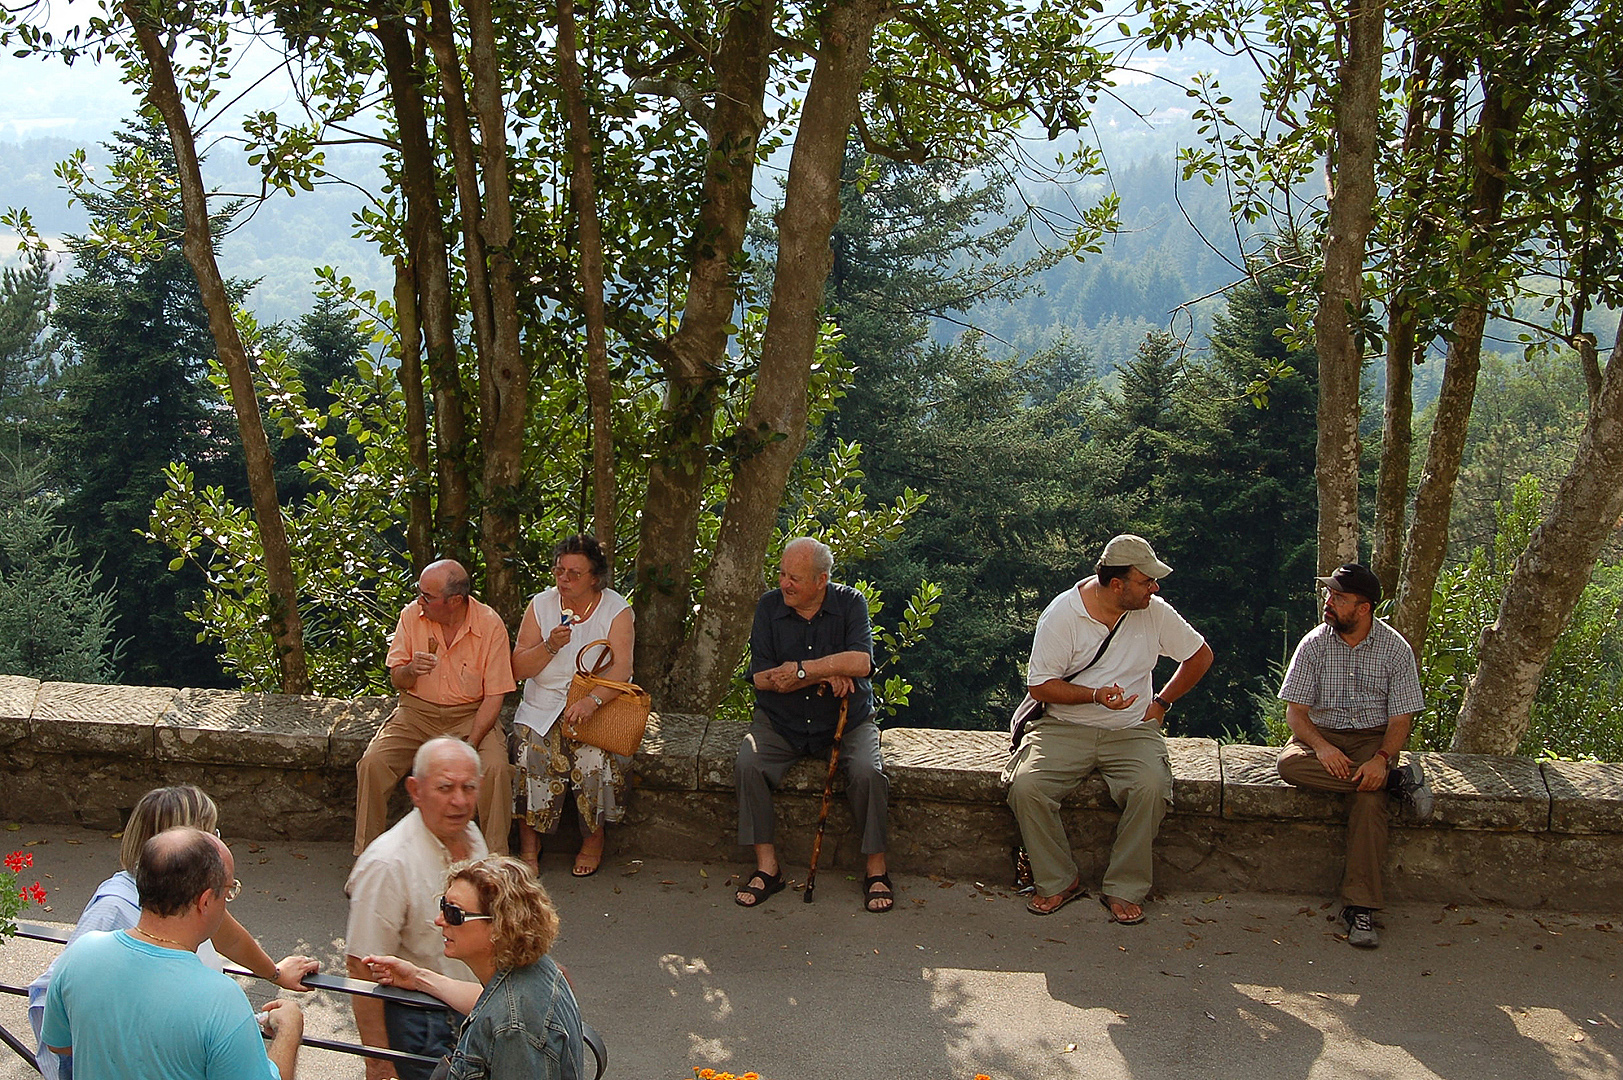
960	980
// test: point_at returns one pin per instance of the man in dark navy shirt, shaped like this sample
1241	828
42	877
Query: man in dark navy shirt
811	645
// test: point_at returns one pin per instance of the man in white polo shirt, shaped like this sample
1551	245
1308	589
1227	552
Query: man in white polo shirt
1092	671
394	895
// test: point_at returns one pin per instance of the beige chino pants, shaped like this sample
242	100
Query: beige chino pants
388	758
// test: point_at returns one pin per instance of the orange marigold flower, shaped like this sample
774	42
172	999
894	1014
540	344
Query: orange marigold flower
707	1074
982	1076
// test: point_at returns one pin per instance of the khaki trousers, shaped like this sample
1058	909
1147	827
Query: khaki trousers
1366	818
1052	761
388	758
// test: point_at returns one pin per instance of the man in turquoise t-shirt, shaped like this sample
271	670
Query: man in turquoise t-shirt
139	1005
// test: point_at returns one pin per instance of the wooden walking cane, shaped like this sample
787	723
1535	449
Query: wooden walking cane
828	793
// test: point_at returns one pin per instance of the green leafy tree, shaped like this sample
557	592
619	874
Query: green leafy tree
346	534
1576	712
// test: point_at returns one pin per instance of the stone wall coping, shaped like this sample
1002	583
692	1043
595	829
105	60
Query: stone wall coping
685	752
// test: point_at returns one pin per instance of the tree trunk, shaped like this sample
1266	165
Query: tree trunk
429	260
1503	107
198	243
589	234
1549	577
1424	138
504	377
1397	448
775	426
676	476
419	521
1335	325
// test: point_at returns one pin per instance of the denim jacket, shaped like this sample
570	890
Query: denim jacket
525	1024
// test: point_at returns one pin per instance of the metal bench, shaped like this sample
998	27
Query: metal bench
318	981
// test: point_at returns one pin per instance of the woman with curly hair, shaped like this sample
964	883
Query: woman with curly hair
522	1020
557	626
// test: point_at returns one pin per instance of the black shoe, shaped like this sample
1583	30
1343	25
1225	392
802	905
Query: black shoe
1407	784
1360	927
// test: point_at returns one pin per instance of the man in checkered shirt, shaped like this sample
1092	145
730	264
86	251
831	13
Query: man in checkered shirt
1351	695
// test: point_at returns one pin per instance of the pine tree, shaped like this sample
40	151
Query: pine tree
27	356
326	348
56	621
135	397
999	444
1234	508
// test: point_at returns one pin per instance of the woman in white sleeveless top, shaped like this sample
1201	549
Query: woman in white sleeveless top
557	625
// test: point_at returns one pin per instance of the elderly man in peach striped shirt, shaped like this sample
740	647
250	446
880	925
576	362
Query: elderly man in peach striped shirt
451	660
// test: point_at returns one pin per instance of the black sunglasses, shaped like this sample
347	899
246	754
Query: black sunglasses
455	916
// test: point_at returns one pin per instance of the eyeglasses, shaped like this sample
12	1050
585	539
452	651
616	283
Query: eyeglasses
567	574
233	890
427	598
455	916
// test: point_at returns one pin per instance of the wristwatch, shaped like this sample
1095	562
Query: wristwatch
1161	701
597	699
800	670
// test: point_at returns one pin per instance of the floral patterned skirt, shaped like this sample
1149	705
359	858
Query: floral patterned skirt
549	765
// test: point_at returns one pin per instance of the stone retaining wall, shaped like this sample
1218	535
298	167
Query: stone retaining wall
1510	831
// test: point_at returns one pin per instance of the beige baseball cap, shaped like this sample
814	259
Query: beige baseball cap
1134	551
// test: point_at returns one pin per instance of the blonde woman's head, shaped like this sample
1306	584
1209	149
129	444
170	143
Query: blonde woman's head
165	808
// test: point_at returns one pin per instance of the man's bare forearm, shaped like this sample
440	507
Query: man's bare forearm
485	719
368	1011
1302	726
1190	672
283	1049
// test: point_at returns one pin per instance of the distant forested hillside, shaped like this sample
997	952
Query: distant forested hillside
1176	244
279	245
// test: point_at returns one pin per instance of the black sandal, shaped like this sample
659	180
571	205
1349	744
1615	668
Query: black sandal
870	894
770	884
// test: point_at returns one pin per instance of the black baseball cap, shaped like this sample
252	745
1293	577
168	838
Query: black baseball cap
1354	578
